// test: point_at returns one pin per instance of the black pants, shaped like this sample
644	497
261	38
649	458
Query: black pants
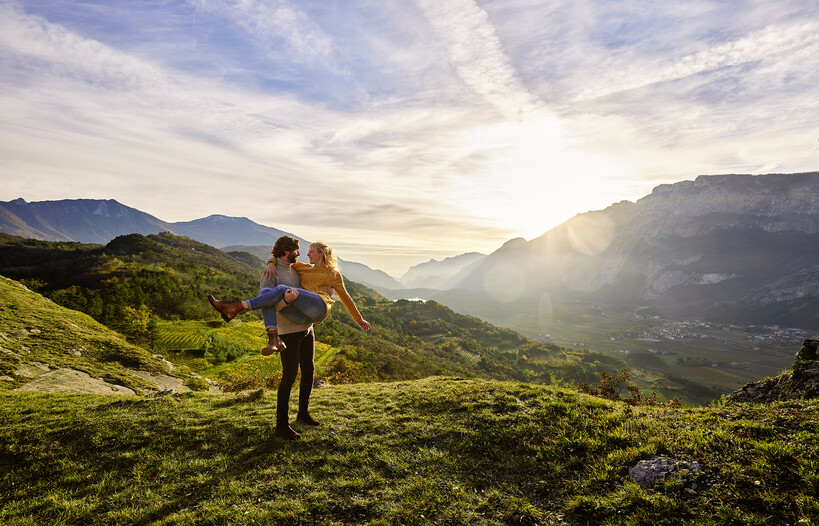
300	353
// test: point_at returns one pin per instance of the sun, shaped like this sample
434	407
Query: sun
533	179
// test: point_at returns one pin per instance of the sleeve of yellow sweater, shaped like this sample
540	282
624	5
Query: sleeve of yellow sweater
332	278
344	296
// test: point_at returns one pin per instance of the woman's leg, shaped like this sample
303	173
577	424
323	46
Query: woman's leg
269	317
308	307
267	298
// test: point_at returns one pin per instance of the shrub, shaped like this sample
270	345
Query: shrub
224	350
615	387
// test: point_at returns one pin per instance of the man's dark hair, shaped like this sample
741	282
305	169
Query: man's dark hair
284	244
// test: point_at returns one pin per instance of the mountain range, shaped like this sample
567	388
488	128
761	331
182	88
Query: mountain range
729	247
100	221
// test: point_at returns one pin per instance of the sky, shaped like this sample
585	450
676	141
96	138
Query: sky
399	130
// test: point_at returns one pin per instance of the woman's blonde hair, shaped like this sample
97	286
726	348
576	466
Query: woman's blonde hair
329	257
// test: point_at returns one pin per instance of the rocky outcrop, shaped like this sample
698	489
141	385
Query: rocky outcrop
799	384
65	380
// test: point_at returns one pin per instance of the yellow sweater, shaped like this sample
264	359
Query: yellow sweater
315	279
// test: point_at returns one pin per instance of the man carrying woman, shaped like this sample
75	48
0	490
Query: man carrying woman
293	296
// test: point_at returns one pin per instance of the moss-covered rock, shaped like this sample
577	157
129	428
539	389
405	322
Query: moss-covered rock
801	383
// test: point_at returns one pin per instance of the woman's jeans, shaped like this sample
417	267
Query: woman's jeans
307	308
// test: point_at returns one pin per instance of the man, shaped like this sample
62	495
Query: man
298	338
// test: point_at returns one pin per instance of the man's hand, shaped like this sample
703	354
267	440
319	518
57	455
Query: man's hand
270	271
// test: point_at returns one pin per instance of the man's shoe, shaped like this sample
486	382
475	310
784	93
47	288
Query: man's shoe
307	418
228	310
287	433
274	343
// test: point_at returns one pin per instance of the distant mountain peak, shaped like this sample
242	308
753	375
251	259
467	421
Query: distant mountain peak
436	274
219	218
101	220
514	243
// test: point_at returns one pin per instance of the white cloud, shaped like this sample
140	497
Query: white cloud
767	46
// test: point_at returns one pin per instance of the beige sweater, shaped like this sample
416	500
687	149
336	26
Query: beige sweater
286	276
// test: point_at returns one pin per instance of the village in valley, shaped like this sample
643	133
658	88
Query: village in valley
684	344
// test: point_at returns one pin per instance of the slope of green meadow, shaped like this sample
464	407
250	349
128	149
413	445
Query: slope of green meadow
430	418
431	451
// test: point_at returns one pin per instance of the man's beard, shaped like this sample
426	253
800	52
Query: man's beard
291	258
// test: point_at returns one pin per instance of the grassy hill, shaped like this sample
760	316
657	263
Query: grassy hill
486	444
39	337
168	274
434	451
165	278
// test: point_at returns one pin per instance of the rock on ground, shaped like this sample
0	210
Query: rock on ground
647	473
70	381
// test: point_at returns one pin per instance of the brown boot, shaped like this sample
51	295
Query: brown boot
274	343
287	432
228	310
306	418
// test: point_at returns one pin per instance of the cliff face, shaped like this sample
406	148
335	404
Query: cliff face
755	230
718	244
773	203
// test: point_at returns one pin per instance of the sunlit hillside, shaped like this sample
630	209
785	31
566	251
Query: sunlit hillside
433	451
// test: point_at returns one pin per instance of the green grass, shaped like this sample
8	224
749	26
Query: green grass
181	335
183	343
190	335
324	353
432	451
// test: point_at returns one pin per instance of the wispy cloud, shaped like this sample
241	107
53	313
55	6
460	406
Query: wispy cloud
277	28
475	52
765	47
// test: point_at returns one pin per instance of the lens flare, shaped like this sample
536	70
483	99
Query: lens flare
545	313
591	234
505	283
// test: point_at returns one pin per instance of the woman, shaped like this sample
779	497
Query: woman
309	304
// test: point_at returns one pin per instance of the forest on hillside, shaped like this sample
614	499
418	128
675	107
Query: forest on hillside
135	283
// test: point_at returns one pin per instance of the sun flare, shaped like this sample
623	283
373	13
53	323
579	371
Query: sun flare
533	178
